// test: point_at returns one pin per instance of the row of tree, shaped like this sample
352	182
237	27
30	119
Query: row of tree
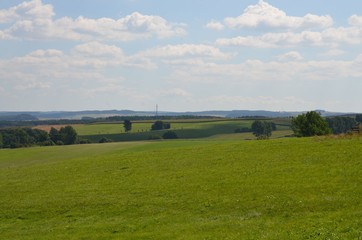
26	137
309	124
313	124
340	125
158	125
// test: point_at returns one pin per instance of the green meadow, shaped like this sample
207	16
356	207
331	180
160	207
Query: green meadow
286	188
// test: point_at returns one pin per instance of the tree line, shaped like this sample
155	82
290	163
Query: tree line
313	124
26	137
309	124
16	122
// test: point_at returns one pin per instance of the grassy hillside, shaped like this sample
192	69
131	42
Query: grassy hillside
276	189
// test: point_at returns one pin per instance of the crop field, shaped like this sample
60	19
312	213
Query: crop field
185	129
286	188
145	126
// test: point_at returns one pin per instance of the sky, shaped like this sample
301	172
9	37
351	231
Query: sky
185	55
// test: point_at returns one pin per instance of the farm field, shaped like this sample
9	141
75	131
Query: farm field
184	189
185	129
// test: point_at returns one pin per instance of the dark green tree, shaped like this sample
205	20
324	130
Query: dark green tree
16	138
262	129
68	135
170	135
127	125
310	124
359	118
341	124
54	135
160	125
37	136
1	140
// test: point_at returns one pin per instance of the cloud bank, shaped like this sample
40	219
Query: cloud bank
35	20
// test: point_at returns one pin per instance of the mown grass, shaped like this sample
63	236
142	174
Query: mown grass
277	189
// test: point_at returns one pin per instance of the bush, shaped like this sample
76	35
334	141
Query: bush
47	143
154	137
59	142
84	141
104	140
242	130
170	135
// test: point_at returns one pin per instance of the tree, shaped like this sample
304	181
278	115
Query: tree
54	135
68	135
341	124
160	125
359	118
310	124
1	140
37	136
170	135
262	129
127	125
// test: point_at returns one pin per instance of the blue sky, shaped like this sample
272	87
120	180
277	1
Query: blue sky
182	55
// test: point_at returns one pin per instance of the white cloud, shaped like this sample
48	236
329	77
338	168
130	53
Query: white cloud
274	40
355	20
290	56
30	10
97	49
86	62
333	52
186	50
265	15
35	20
331	37
215	25
251	71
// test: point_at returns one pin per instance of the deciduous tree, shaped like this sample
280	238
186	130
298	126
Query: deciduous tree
68	135
127	125
262	129
310	124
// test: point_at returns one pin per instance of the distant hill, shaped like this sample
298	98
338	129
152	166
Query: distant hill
17	117
28	116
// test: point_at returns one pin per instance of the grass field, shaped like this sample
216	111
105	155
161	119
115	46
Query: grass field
185	189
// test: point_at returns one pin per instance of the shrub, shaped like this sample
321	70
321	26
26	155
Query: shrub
170	135
104	140
242	130
84	141
154	137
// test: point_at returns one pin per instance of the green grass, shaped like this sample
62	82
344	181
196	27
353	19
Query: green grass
196	189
